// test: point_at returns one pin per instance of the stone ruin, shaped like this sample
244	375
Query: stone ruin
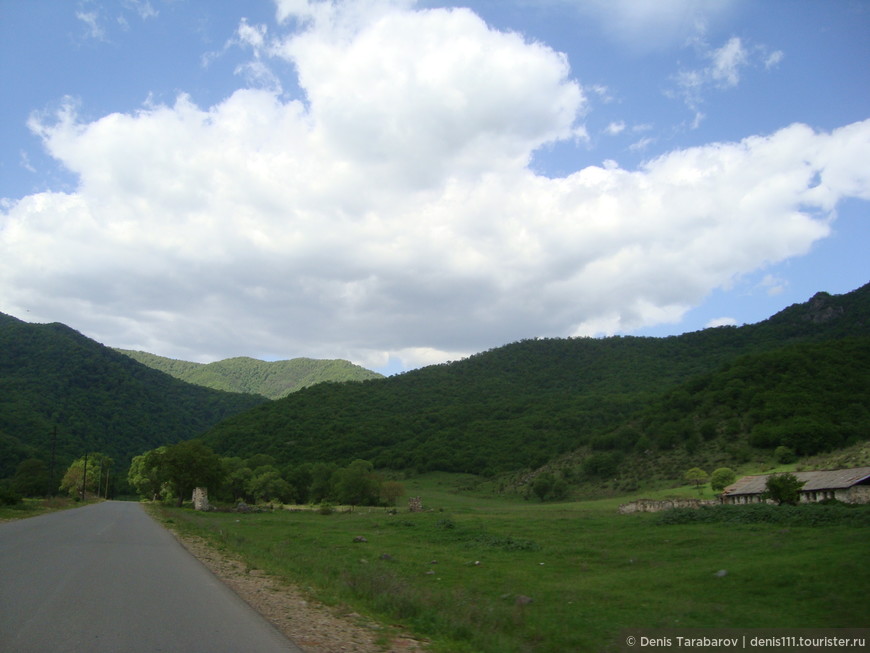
654	505
415	504
200	498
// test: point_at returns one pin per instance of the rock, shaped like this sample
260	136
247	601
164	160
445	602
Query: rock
523	600
360	538
721	573
387	556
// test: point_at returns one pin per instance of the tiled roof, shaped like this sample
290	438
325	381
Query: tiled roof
836	479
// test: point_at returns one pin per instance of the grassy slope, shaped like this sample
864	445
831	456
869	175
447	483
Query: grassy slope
272	380
590	572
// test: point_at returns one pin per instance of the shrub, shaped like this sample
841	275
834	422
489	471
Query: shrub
784	455
326	508
8	496
783	488
722	478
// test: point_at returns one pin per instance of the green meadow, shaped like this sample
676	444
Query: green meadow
478	573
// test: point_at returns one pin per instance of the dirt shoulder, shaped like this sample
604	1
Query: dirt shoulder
312	626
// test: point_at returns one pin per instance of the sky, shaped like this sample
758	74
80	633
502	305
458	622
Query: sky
404	183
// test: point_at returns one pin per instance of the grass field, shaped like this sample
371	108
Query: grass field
33	507
488	575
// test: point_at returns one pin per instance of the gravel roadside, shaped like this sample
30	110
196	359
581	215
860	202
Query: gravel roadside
312	626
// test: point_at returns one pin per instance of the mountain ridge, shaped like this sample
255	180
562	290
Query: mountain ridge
521	404
270	379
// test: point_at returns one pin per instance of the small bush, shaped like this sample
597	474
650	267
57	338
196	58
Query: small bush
8	496
784	455
325	508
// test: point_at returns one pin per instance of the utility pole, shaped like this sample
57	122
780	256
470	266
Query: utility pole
51	479
108	469
85	475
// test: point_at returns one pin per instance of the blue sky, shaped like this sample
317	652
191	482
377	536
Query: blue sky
402	183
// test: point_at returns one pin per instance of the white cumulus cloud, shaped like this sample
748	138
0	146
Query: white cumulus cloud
391	213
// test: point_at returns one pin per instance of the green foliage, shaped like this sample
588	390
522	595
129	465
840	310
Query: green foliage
147	473
722	478
784	455
543	485
325	508
547	487
87	475
266	484
8	495
390	492
357	485
805	396
696	476
783	488
272	380
32	478
191	464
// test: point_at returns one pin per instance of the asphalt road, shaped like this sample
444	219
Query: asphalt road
107	577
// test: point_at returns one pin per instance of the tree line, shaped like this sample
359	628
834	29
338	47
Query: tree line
170	473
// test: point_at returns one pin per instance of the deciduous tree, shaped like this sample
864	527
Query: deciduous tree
783	488
191	464
697	477
81	479
147	473
357	484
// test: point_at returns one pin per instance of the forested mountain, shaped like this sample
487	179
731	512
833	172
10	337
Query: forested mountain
521	405
272	380
99	400
808	398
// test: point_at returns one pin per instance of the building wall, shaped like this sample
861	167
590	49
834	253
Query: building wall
858	494
854	494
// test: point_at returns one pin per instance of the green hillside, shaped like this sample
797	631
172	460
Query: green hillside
808	397
519	406
99	400
272	380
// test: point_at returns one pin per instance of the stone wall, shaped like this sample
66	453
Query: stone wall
657	505
857	494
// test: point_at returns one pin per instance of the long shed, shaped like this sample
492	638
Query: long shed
846	485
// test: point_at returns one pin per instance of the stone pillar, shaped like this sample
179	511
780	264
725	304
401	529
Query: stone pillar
200	498
415	504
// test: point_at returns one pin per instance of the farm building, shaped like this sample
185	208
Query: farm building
846	485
